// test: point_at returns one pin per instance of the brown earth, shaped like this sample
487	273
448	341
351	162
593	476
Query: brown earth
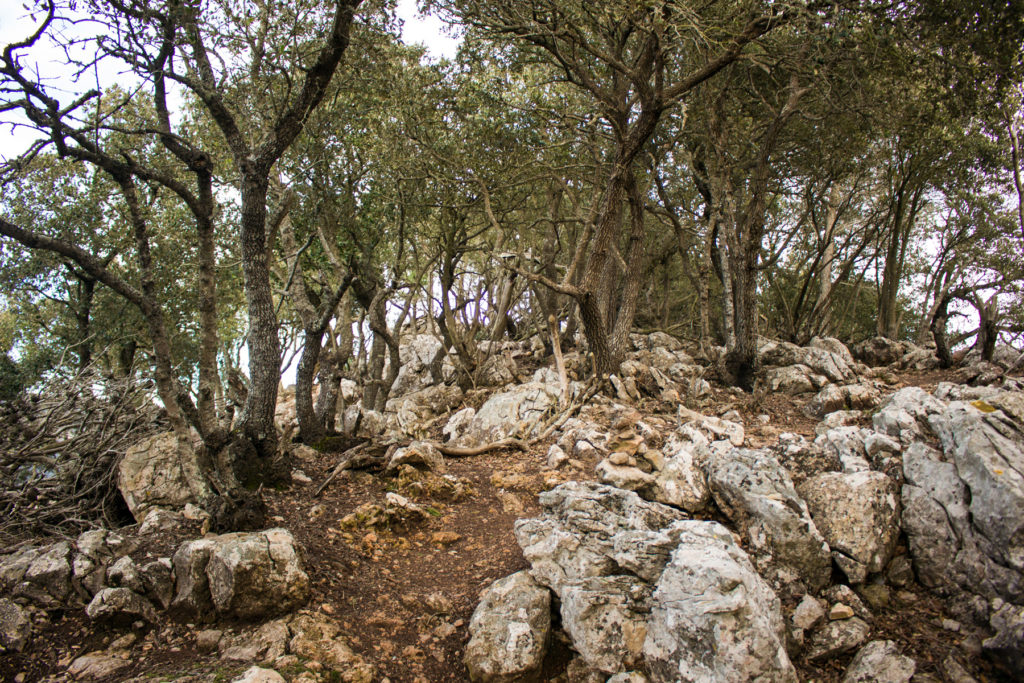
404	594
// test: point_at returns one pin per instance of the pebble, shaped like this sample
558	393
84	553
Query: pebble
840	611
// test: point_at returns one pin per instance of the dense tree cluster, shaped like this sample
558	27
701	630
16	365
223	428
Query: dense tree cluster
222	188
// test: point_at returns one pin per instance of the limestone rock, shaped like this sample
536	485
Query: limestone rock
192	597
791	379
837	638
713	618
905	415
509	631
605	616
714	428
256	674
623	476
421	454
120	605
47	579
834	366
589	529
880	662
256	574
679	477
150	474
515	412
858	514
879	351
847	397
809	613
98	666
15	626
848	446
458	423
756	493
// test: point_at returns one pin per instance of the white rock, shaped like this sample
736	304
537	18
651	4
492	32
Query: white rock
509	630
756	493
713	618
859	516
880	662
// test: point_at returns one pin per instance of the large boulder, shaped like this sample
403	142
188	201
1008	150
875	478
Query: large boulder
509	631
757	494
515	412
964	511
151	475
256	574
843	397
879	351
243	575
600	549
713	618
589	529
832	365
407	414
906	415
858	514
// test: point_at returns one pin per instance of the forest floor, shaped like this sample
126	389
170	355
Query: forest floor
404	595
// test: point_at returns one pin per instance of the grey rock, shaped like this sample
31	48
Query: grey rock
623	476
791	379
905	415
1007	645
47	579
809	613
713	618
151	474
879	351
846	397
859	516
605	616
15	626
837	638
714	428
255	674
192	597
847	445
679	476
121	605
509	631
515	412
756	493
589	529
556	457
458	423
256	574
880	661
124	574
98	665
421	454
158	581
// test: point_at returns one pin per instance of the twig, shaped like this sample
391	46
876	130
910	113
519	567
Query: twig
342	465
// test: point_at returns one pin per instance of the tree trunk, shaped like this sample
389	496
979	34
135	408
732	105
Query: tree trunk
256	423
